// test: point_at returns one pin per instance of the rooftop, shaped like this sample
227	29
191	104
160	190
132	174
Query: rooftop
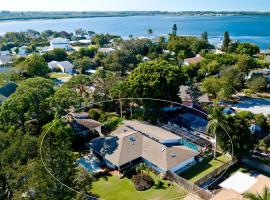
194	60
126	144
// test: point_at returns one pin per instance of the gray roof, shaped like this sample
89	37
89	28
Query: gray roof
5	59
185	96
126	145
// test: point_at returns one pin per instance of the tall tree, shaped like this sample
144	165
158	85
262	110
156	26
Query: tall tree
28	105
58	159
226	41
204	37
174	30
34	65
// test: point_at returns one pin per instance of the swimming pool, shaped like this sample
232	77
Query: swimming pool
91	165
190	145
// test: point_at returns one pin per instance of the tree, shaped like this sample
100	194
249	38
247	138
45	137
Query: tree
150	32
195	93
79	85
245	63
212	86
29	104
83	64
265	195
63	99
257	83
174	30
34	65
120	61
59	160
217	124
204	37
247	48
226	41
156	79
55	55
242	139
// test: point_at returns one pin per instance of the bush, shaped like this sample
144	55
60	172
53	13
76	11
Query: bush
142	182
111	124
94	114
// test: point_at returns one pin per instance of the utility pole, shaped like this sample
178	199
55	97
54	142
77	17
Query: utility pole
121	106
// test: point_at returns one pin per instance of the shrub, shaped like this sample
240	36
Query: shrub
142	182
94	114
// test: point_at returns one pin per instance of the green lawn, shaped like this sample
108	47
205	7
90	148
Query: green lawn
112	188
59	75
205	167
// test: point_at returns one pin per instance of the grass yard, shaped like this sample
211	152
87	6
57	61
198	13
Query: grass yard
112	188
59	75
205	167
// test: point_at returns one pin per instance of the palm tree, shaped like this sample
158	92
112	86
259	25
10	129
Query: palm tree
216	122
256	196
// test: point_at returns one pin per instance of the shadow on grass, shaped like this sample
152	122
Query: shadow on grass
159	185
195	170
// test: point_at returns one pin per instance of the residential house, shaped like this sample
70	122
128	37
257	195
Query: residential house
240	183
194	60
5	60
106	50
59	43
4	53
186	98
6	91
63	66
81	123
136	142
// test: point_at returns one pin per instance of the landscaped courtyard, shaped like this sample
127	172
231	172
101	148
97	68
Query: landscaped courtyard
205	167
112	188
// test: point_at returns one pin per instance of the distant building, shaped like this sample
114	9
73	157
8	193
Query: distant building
5	60
64	66
4	53
194	60
59	43
107	50
240	183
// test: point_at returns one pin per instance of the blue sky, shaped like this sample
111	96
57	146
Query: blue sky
114	5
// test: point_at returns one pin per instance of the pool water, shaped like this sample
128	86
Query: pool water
190	145
91	165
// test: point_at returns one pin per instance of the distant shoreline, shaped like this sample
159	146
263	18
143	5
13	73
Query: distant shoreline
17	16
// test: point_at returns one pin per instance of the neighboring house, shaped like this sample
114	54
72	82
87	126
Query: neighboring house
106	50
240	183
5	60
63	66
265	72
59	43
136	142
43	49
194	60
186	98
81	123
22	51
6	91
4	53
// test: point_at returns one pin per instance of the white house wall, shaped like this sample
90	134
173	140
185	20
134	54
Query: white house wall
183	164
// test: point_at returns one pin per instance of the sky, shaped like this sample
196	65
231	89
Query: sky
135	5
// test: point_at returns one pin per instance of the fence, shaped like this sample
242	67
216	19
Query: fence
214	173
191	187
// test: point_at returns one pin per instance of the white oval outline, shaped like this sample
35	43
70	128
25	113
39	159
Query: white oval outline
119	99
